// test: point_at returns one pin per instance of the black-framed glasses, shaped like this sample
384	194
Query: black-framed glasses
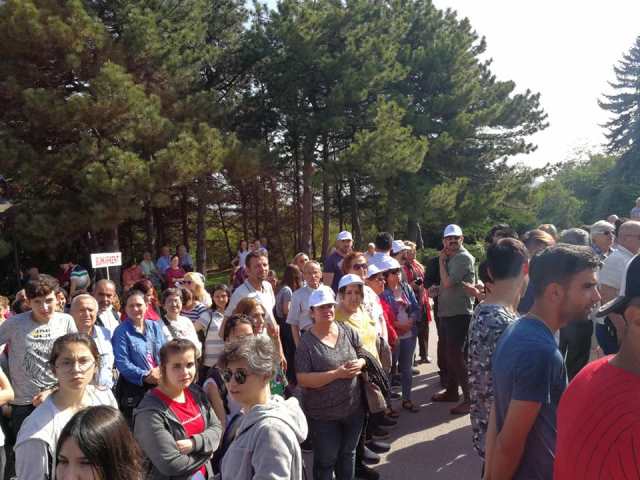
359	266
240	375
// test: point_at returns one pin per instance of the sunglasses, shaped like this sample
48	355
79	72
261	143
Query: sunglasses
359	266
187	282
240	375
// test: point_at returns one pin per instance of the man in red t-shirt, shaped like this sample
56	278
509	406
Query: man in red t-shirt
598	417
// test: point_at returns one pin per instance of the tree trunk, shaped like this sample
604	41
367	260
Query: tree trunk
225	231
256	210
307	196
201	227
326	218
355	213
112	244
296	200
276	219
149	241
340	205
184	216
161	238
244	209
412	228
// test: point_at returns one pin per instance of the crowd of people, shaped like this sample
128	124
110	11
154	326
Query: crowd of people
164	378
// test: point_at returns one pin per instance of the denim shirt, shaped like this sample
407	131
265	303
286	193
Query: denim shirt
102	338
131	347
414	307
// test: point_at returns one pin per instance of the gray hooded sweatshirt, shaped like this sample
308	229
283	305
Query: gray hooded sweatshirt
267	443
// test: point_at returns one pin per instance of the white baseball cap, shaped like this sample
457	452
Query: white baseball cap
452	231
350	279
322	295
344	235
373	270
398	246
388	263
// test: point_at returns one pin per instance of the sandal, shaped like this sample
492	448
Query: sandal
408	405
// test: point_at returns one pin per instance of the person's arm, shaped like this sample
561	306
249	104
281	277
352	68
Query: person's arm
293	318
490	441
32	460
295	331
320	379
213	394
161	448
6	391
510	441
73	284
608	293
272	458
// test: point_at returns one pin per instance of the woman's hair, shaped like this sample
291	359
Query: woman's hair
186	295
4	302
221	286
412	246
103	436
174	347
297	256
550	229
258	351
292	278
64	341
169	292
199	292
247	305
61	290
233	321
537	239
133	292
175	255
347	262
146	287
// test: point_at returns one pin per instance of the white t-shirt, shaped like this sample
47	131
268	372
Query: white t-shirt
266	298
40	431
299	312
613	268
183	328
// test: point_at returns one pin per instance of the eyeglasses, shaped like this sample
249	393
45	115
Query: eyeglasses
68	365
452	238
240	375
359	266
187	282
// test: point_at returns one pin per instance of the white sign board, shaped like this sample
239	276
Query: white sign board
104	260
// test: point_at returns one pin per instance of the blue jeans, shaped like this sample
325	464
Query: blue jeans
405	365
334	446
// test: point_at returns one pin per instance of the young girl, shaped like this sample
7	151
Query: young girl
174	424
96	444
74	361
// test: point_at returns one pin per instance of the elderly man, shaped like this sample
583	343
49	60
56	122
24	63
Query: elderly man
603	236
609	330
105	294
333	265
84	310
455	307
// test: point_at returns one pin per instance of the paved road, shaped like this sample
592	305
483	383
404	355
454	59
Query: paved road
431	443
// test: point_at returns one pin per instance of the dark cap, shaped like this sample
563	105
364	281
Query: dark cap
630	289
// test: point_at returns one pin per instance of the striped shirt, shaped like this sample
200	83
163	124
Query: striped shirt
195	313
213	344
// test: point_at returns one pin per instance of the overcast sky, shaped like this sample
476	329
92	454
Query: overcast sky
563	49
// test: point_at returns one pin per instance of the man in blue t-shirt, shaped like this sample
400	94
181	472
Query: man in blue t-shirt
529	374
332	272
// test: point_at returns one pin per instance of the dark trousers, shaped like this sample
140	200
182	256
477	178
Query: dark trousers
334	446
441	350
575	345
456	329
18	415
423	339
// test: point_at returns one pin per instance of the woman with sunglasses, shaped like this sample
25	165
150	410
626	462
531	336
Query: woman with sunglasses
327	367
399	295
74	361
174	424
192	308
267	441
